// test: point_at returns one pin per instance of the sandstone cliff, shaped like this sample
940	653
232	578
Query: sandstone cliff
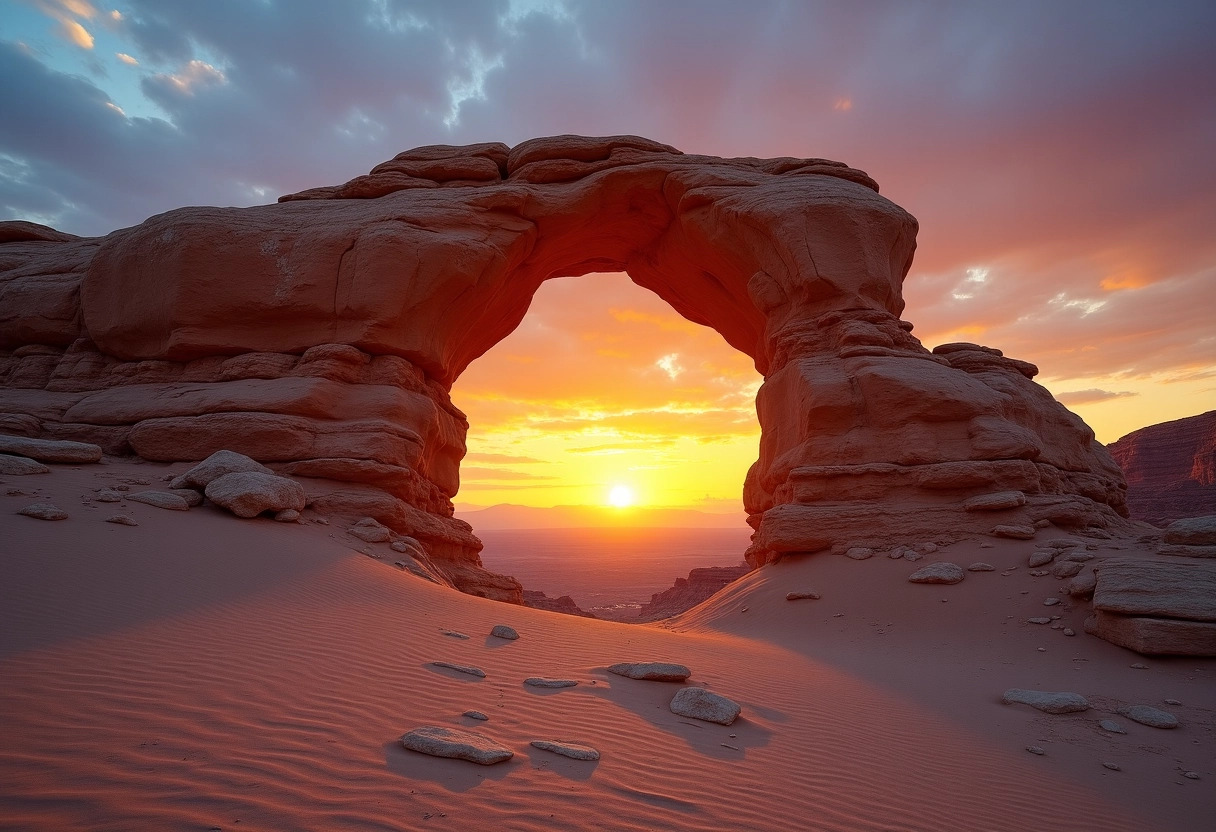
686	593
1170	469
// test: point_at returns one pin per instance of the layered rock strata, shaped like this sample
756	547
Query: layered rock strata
1156	607
1170	469
321	336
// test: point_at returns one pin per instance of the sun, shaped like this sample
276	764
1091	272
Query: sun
621	496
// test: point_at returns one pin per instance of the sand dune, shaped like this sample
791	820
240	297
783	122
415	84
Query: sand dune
200	672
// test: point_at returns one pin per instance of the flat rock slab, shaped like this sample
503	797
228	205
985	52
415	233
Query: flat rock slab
699	703
19	466
568	749
459	744
249	493
215	466
50	450
999	501
859	553
1042	557
475	715
503	631
1157	588
1192	531
1152	636
461	668
652	671
1112	726
160	499
1067	569
1148	715
1047	701
44	511
981	567
938	573
121	520
802	596
546	682
1015	532
370	530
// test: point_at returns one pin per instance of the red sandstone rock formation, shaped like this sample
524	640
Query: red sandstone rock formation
321	335
686	593
1170	469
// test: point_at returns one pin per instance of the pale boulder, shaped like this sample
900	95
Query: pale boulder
249	493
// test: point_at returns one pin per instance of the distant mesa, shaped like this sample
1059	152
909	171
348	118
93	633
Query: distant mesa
321	337
1170	469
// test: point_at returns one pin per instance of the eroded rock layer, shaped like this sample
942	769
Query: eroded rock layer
1170	469
321	336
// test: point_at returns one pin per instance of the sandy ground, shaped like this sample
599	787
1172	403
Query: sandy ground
203	672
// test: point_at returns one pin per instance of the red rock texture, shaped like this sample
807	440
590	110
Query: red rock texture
322	335
686	593
1170	469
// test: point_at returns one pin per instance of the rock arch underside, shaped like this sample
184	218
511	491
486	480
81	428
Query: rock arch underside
321	336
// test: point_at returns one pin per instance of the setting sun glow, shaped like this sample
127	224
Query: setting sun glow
621	496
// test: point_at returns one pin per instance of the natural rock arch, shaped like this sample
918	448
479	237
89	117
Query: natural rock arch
322	335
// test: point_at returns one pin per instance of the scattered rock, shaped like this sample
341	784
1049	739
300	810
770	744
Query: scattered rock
1111	766
942	572
1049	702
1191	775
1082	586
1015	532
1041	557
1148	715
1038	573
913	555
107	495
462	668
1064	543
44	511
1112	726
475	715
1078	556
50	450
1172	702
19	466
1038	619
503	631
249	493
454	634
802	596
859	553
1070	632
568	749
980	566
699	703
193	498
439	741
1138	666
1051	602
546	682
999	501
1036	750
927	548
216	466
122	520
370	531
160	499
288	515
1067	569
1192	531
652	671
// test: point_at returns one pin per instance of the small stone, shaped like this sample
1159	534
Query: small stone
108	495
1038	573
122	520
1036	750
568	749
370	531
475	715
321	521
1069	631
1049	702
503	631
699	703
896	553
44	511
439	741
927	548
999	501
546	682
453	634
1064	543
913	556
802	596
981	567
652	671
160	499
1148	715
1078	557
987	545
1040	557
193	498
859	553
1042	649
461	668
288	515
1111	766
1051	602
1015	532
1082	586
399	546
942	572
1138	666
1172	702
1112	726
1067	569
1038	619
249	493
1191	775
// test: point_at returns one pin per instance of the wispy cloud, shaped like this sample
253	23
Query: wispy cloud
1092	396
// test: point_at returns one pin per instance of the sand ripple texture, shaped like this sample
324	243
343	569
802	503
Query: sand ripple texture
278	702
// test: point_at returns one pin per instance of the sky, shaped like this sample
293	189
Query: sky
1059	157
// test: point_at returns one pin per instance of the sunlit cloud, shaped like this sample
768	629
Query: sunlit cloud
1086	306
843	104
670	364
1092	396
193	76
111	105
126	59
501	459
970	284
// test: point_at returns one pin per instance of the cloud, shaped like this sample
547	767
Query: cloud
126	59
475	474
1092	396
501	459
